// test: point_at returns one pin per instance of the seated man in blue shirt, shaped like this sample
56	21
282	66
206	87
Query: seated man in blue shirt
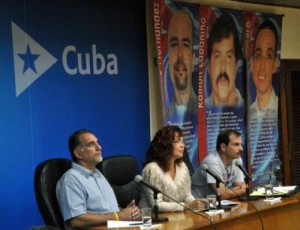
85	197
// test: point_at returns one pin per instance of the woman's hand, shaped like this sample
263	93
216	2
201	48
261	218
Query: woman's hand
197	204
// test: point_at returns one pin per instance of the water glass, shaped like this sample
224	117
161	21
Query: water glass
269	191
212	202
147	217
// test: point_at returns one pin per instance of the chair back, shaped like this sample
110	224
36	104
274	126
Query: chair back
187	161
46	176
120	171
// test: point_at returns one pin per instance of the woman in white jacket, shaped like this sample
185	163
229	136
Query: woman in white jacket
165	169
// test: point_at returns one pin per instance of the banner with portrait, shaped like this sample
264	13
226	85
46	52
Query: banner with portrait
221	73
176	32
211	82
262	54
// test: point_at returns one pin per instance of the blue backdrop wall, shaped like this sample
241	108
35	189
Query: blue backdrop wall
67	65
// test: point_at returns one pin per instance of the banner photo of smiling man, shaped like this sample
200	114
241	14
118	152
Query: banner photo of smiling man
263	39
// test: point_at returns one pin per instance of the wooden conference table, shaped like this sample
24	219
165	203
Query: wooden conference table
252	215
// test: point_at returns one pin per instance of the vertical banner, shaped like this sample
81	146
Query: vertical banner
263	42
64	67
222	72
177	33
206	87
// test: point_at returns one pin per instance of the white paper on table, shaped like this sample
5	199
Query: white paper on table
126	224
153	226
215	212
281	191
229	202
273	200
123	224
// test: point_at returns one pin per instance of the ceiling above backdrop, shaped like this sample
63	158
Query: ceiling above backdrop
286	3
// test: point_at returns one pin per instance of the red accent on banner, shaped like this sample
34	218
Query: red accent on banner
156	5
202	147
249	21
251	25
161	16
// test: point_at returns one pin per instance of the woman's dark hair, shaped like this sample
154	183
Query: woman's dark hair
161	147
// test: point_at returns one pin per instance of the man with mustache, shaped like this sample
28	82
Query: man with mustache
181	65
223	51
222	163
264	65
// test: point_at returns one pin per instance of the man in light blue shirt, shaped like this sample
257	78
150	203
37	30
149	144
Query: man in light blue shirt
85	197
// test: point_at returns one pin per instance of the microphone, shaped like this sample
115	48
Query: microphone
240	166
139	179
217	178
247	178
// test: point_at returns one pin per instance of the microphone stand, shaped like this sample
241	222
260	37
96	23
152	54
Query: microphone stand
247	197
218	194
161	219
247	188
220	206
156	218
